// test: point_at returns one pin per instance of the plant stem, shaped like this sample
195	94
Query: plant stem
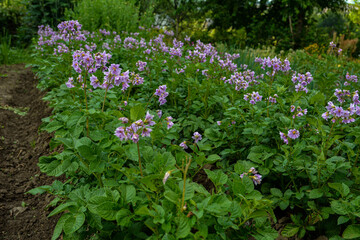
87	117
184	186
149	102
138	148
127	99
328	138
102	110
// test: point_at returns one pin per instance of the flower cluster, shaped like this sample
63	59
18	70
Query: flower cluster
350	78
299	112
337	112
243	80
253	175
133	132
332	45
342	95
253	97
273	99
169	122
196	136
301	81
141	65
292	133
275	63
162	94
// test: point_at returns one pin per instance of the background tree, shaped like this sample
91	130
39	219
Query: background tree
176	12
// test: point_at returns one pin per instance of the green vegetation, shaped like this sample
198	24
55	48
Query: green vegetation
165	139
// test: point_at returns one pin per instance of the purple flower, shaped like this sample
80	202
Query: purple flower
253	97
162	94
141	65
183	145
70	82
218	123
159	113
149	119
339	111
256	179
292	108
253	175
197	137
146	132
169	123
124	120
293	133
284	138
135	138
94	82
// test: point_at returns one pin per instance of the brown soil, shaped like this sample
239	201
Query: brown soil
22	216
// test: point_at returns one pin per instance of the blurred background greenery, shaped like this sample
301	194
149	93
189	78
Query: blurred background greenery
281	24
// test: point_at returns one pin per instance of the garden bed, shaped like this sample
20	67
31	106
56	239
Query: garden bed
23	216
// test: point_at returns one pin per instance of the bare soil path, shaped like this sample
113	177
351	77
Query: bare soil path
22	216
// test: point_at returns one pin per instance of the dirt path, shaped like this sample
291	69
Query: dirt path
21	110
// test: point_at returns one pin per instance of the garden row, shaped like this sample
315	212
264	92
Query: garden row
167	139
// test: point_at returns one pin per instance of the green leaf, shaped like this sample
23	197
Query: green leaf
342	220
172	196
183	227
189	189
290	230
342	188
276	192
318	99
103	206
62	208
74	222
213	158
248	183
53	126
130	193
338	207
98	135
85	148
123	217
142	211
316	193
40	190
59	226
217	177
352	232
137	112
